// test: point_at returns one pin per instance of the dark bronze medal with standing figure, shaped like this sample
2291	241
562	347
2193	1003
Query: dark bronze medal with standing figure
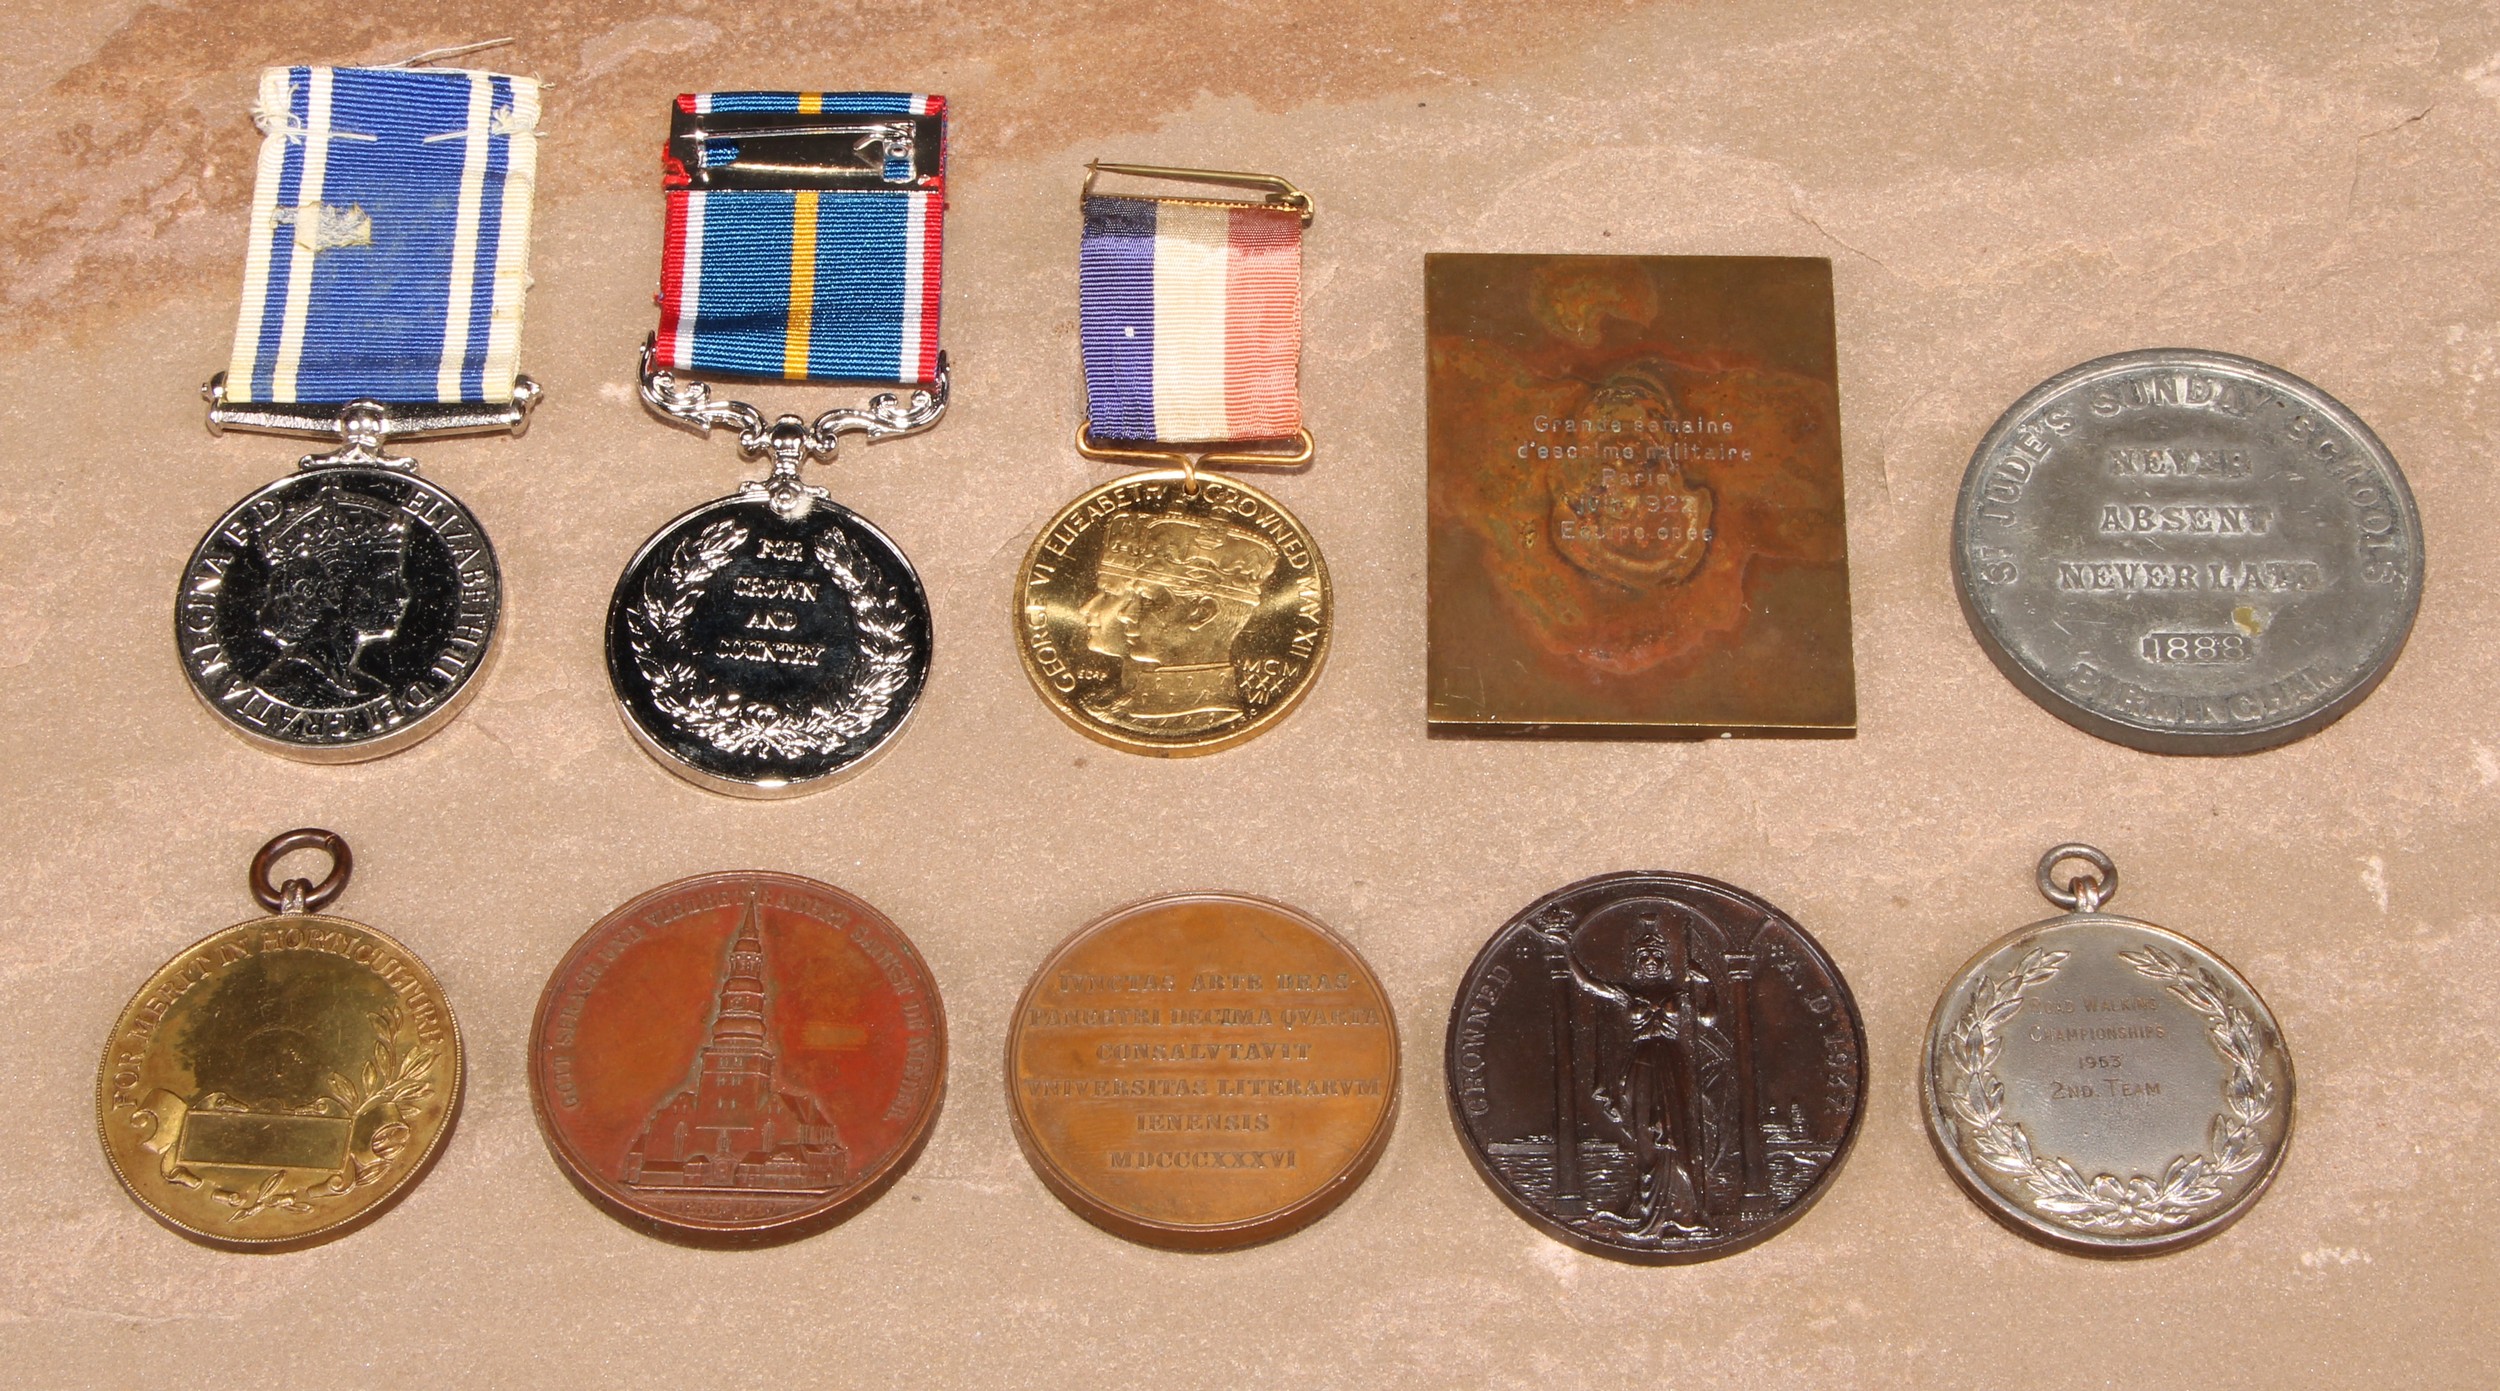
1656	1067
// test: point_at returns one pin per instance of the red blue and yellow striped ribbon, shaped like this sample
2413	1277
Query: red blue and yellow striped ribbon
804	284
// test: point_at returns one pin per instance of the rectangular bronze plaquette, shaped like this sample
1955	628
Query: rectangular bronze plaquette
1634	473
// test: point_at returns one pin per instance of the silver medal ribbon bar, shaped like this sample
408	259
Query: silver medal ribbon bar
363	427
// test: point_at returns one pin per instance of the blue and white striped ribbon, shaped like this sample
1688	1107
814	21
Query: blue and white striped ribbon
390	236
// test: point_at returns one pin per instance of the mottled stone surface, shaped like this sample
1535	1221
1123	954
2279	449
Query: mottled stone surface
2003	190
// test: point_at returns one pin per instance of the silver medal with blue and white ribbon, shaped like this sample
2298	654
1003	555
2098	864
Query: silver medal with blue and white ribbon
346	610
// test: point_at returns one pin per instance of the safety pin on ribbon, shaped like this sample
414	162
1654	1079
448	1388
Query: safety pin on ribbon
1280	192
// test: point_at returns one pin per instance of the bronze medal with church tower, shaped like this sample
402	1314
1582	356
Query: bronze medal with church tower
738	1054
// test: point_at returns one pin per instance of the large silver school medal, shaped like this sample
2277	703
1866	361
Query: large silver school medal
773	641
346	611
2187	552
2106	1085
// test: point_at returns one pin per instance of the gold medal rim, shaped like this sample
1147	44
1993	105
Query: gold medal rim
417	1169
1272	1225
839	1207
1186	747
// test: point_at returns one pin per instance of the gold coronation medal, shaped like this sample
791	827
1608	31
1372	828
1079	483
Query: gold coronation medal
1171	612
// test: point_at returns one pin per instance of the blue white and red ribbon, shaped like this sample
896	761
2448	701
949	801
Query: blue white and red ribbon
805	284
1191	319
390	236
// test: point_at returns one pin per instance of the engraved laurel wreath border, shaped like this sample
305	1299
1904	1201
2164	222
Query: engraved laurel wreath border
725	719
388	1079
2191	1184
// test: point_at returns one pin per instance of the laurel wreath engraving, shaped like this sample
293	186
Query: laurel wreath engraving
2191	1183
390	1082
726	719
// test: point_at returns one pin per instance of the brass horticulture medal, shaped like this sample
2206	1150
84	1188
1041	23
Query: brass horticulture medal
281	1080
1175	611
1173	621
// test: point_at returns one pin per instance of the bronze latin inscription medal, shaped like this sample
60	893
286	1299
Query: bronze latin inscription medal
281	1081
1171	611
345	611
1204	1071
738	1055
773	642
1656	1067
2105	1085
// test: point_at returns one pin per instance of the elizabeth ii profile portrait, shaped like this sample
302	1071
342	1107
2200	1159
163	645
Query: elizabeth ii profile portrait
337	585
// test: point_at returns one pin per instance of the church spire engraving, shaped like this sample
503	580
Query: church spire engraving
734	1125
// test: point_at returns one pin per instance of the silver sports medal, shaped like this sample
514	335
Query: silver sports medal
2105	1085
773	642
346	611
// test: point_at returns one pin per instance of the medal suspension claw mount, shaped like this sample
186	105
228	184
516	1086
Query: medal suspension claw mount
790	440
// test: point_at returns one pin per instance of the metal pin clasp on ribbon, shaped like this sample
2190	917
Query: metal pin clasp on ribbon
1279	191
792	150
